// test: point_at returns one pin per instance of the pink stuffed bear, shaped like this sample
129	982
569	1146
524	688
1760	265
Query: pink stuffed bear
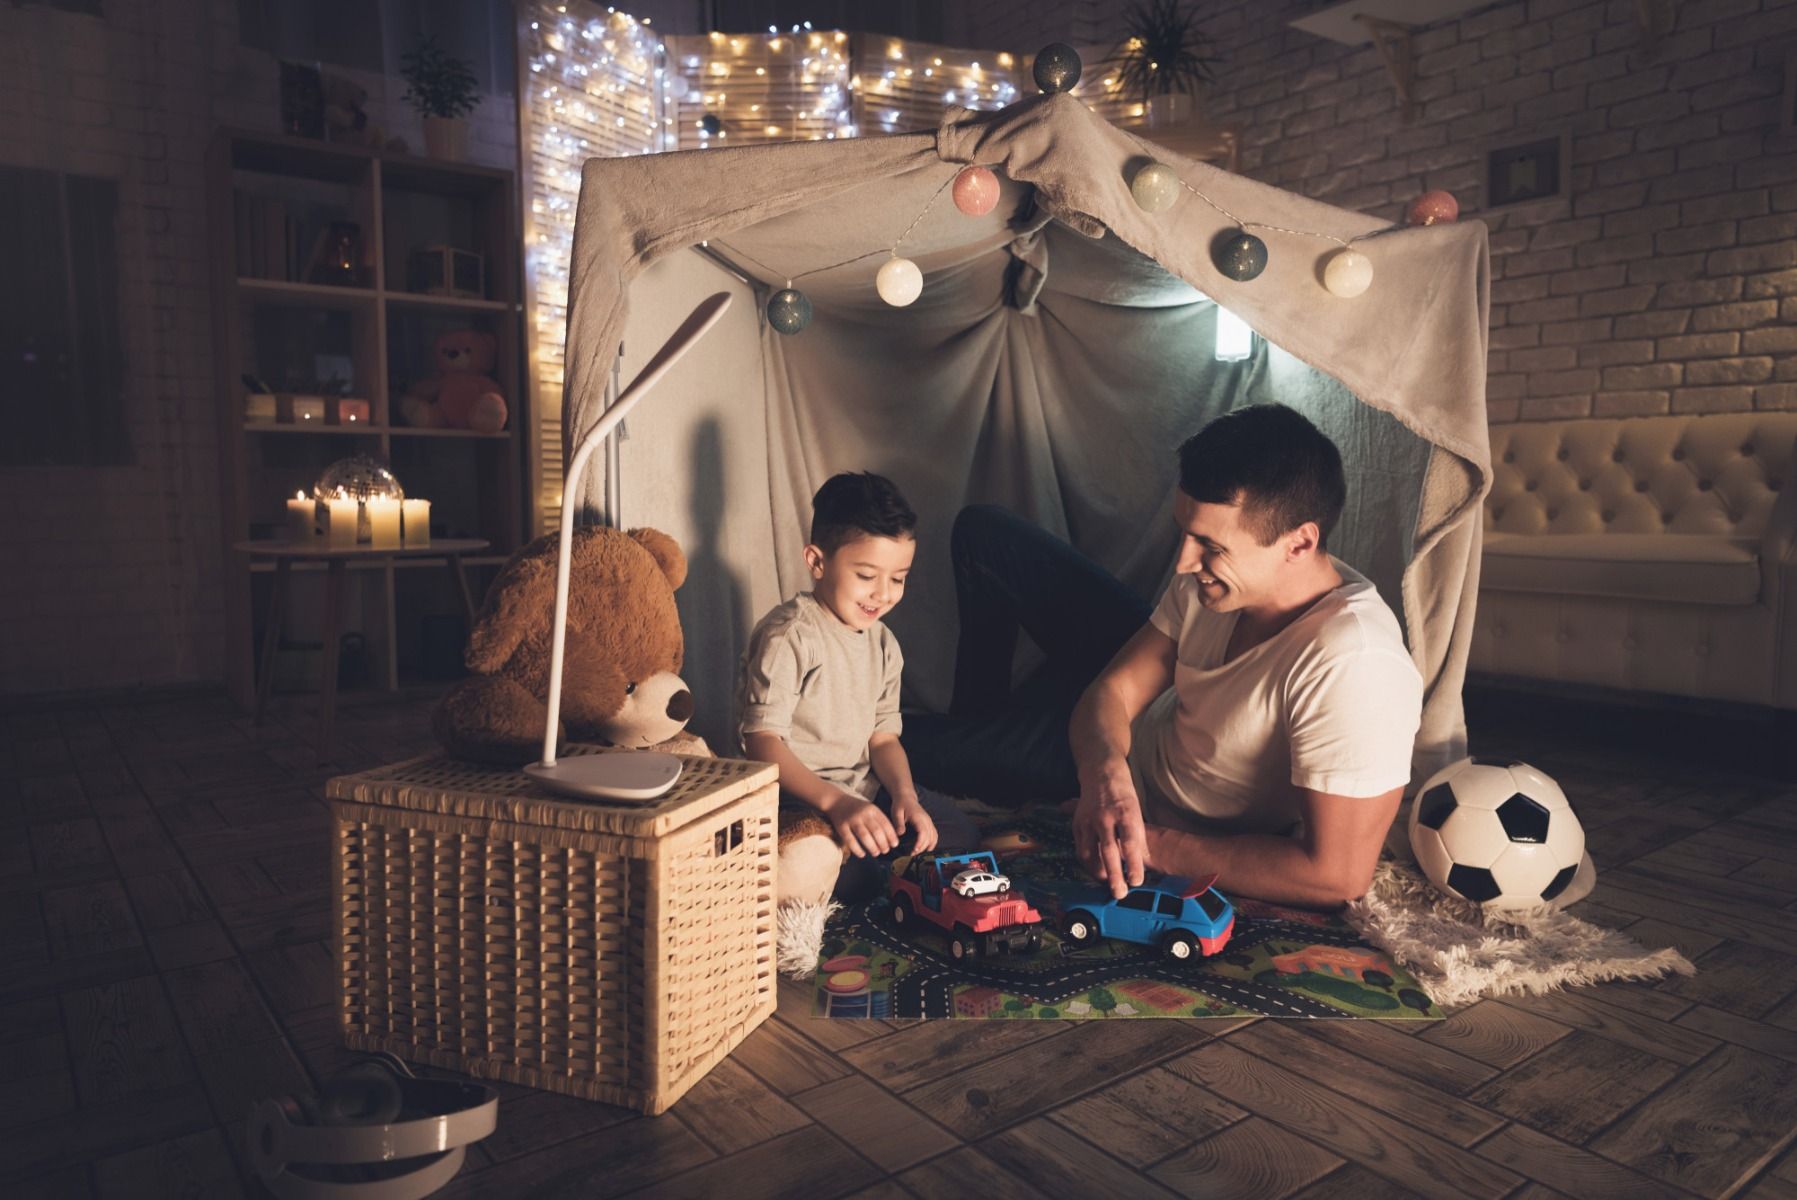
463	394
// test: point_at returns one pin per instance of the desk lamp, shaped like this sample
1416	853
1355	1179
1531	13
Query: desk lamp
629	775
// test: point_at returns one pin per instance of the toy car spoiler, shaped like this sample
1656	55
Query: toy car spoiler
1185	888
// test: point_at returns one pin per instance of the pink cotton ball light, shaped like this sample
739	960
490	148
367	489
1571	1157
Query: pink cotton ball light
976	191
1433	208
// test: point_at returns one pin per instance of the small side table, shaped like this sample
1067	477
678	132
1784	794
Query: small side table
337	560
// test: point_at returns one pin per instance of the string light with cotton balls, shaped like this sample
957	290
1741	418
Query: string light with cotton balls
1057	68
1239	255
789	310
975	191
1433	208
899	281
1154	187
1348	273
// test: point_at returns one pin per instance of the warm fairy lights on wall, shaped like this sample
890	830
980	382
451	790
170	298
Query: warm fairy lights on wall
593	84
596	82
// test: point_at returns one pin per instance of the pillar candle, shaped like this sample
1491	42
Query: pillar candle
343	513
418	522
302	518
383	521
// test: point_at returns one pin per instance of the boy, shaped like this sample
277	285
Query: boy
818	694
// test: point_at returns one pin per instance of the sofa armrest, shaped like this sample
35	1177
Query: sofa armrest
1779	543
1778	566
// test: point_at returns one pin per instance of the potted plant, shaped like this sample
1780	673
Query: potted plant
443	90
1164	58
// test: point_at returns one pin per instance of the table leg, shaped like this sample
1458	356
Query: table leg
271	637
461	582
333	620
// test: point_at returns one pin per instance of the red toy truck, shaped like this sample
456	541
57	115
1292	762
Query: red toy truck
976	925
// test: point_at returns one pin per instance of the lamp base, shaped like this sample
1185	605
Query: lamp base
631	776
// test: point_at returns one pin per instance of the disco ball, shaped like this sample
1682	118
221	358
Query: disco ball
357	477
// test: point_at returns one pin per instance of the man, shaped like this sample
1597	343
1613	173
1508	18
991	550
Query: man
1258	723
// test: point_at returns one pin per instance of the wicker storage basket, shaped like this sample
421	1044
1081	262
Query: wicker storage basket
616	953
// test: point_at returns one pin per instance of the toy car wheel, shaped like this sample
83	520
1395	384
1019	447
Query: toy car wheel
1034	943
960	947
1081	927
900	914
1180	946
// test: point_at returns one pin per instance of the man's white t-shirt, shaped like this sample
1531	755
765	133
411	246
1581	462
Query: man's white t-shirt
1331	702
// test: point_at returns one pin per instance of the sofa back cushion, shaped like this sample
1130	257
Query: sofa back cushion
1714	475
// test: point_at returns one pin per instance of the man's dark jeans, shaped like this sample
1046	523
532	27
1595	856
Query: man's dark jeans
1010	746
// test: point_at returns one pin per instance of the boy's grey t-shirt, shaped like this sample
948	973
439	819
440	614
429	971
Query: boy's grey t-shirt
825	688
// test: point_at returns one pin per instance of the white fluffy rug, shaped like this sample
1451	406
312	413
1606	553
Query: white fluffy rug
1461	953
799	936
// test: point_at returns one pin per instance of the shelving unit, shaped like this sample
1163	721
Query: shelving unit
272	202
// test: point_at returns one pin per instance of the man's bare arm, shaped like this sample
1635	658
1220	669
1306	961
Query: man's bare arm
1108	834
1329	864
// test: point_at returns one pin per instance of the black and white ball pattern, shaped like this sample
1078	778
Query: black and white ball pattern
1497	832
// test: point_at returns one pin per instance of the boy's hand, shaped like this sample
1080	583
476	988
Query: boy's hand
908	813
861	827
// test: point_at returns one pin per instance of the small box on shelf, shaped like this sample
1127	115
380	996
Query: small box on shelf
346	410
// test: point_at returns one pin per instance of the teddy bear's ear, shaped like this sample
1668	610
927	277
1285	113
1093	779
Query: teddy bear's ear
666	552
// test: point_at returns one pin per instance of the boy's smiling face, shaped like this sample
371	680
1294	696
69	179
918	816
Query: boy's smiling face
862	580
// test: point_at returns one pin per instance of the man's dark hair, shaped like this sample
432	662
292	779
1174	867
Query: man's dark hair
1268	458
854	505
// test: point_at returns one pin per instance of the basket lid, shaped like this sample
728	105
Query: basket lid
437	783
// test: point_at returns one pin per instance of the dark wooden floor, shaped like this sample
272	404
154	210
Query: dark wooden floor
164	907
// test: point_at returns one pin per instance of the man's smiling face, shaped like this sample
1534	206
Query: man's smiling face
1234	570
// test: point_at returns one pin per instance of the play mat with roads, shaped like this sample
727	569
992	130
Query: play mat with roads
1278	962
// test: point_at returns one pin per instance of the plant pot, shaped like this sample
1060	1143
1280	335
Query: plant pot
1171	108
446	138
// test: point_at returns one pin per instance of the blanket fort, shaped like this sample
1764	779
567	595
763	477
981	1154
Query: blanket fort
1063	343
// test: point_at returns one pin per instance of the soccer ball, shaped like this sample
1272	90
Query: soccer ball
1497	832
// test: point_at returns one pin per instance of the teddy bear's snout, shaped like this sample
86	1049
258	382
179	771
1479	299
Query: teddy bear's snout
680	706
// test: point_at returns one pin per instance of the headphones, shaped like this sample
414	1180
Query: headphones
374	1131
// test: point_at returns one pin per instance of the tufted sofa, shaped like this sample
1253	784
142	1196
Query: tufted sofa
1654	554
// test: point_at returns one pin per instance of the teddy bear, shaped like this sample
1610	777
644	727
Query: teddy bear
462	395
621	661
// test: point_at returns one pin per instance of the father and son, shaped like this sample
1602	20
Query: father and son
1256	723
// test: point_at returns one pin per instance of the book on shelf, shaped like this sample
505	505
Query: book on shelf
266	238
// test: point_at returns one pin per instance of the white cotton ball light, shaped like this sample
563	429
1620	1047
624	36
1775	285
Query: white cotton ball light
1154	187
1348	273
899	281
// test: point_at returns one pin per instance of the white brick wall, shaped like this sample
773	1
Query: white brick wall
112	576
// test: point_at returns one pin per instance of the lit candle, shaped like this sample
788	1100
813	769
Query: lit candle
343	513
308	410
302	518
352	412
418	522
383	521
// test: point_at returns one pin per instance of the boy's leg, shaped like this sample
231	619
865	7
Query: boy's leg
1011	574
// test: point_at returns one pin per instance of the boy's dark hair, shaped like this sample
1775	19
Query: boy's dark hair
854	505
1279	467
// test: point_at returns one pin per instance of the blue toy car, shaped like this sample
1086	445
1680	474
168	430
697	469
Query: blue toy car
1182	916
